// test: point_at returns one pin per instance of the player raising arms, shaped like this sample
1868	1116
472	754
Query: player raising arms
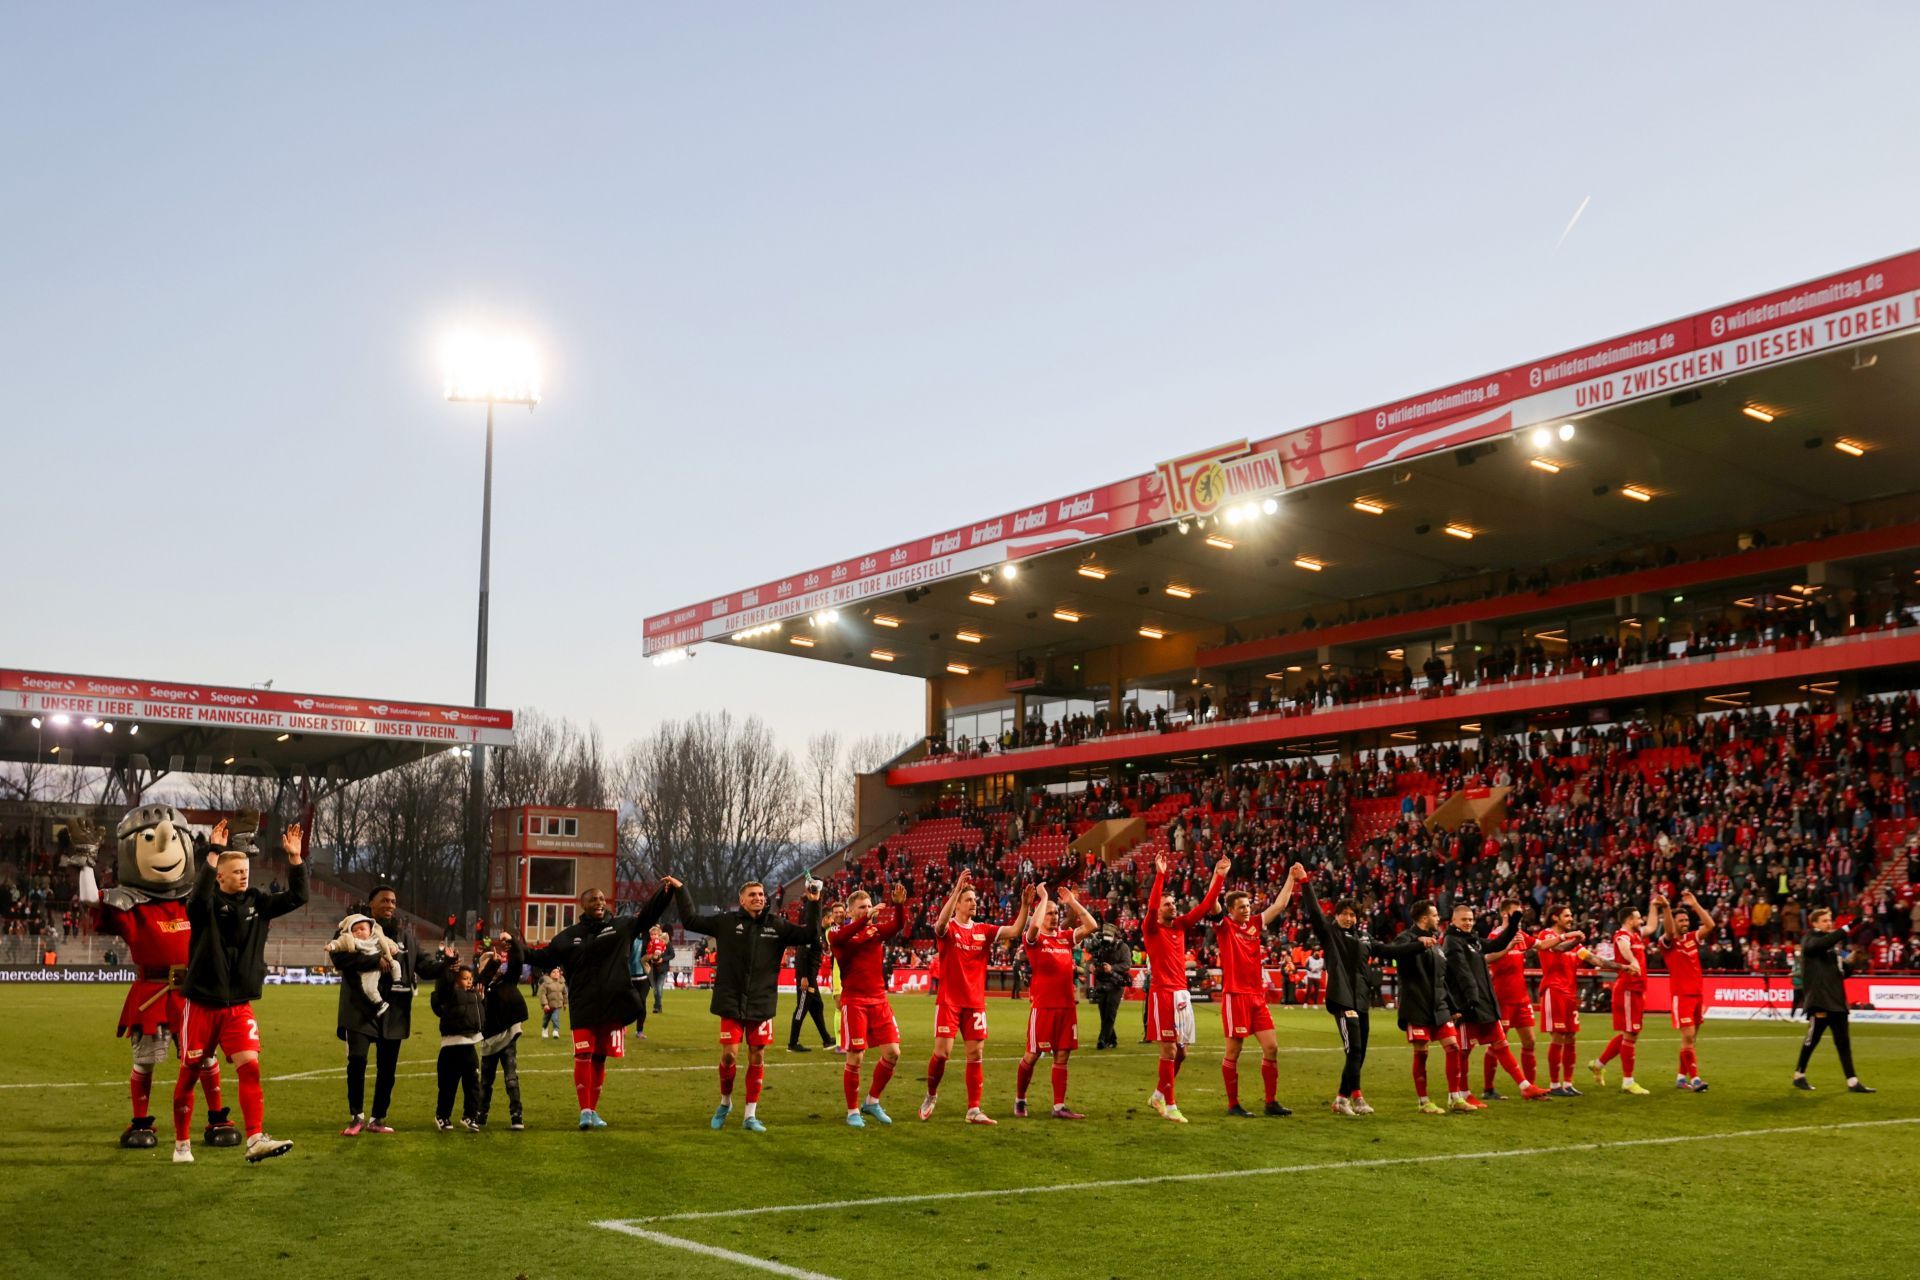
1476	1011
1424	1012
226	966
965	943
1629	993
1169	1005
1680	941
1243	987
865	1016
1561	955
1508	968
1053	1021
1349	995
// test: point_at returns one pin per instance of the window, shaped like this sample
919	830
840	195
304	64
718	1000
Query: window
533	916
553	826
566	916
550	877
552	917
571	827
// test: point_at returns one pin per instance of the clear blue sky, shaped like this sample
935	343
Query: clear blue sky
810	279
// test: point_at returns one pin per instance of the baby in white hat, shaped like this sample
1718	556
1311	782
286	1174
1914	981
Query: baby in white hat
359	934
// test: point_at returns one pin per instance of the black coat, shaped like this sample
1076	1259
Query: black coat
806	959
1469	985
1823	985
1422	993
412	965
1113	953
501	982
227	957
1346	951
462	1013
594	955
746	975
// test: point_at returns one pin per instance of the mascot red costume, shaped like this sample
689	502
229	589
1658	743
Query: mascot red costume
148	908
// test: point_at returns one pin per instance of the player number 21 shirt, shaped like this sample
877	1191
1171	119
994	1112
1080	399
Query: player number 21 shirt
963	964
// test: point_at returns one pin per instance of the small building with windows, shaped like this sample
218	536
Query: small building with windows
541	859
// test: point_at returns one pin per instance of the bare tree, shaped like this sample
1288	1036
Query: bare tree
829	797
551	762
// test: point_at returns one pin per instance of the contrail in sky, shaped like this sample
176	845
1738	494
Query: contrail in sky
1570	221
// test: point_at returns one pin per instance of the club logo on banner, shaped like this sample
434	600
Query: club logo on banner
1200	483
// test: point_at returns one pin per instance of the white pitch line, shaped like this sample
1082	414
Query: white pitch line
713	1251
1270	1171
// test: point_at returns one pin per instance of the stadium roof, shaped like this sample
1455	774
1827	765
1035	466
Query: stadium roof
172	726
1788	404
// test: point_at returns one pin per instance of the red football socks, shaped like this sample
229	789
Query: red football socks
1270	1079
1504	1055
583	1082
210	1084
1230	1074
755	1074
1420	1075
1612	1050
1458	1065
1487	1069
1553	1063
183	1102
726	1081
599	1079
1022	1077
850	1085
1689	1063
1529	1064
1059	1085
1166	1079
1626	1057
936	1067
976	1082
882	1072
140	1089
253	1103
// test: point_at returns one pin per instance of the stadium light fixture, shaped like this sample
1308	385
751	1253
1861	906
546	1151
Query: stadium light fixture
883	655
1542	438
1852	448
35	722
982	597
1092	571
959	669
1565	432
487	369
55	750
132	729
670	657
1009	571
106	726
885	620
1309	564
90	723
1270	506
968	637
63	720
1235	515
1406	735
1370	506
1758	414
1547	465
1066	615
228	762
1216	541
1294	669
283	737
1179	592
1153	633
1472	726
1396	653
1636	493
1460	531
802	642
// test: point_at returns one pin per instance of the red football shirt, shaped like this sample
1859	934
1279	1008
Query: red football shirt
1052	960
1242	971
1683	963
1166	946
1559	970
1628	942
1510	972
859	948
963	963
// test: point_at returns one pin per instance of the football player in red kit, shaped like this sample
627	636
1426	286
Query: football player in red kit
1169	1005
961	1011
1561	955
1680	941
1243	994
866	1016
1509	970
1053	1022
1629	993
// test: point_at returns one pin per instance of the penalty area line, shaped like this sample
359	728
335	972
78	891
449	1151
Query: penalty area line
713	1251
1270	1171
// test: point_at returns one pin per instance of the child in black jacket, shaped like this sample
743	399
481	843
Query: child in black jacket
462	1011
506	1015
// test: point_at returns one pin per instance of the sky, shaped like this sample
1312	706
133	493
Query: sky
806	280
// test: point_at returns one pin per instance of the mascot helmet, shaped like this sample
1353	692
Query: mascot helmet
156	853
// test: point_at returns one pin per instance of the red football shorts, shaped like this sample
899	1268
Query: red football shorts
1559	1013
1053	1030
1629	1007
601	1042
964	1024
1516	1015
1469	1034
1688	1010
1243	1015
1430	1035
755	1035
231	1030
864	1025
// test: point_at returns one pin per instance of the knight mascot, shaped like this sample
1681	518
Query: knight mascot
147	907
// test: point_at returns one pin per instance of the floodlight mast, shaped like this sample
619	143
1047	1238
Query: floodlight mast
495	371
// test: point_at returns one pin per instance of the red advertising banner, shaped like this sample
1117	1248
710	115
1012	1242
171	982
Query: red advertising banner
1858	305
116	698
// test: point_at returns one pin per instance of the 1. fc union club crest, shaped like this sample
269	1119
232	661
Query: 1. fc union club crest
1200	483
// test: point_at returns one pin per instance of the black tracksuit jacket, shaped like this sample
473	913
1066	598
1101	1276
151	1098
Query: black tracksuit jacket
746	975
1422	994
1346	951
593	954
227	957
1469	985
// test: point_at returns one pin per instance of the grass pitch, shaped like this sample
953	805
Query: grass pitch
1749	1179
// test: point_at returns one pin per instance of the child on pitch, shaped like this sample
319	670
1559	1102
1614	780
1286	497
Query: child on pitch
357	934
462	1011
